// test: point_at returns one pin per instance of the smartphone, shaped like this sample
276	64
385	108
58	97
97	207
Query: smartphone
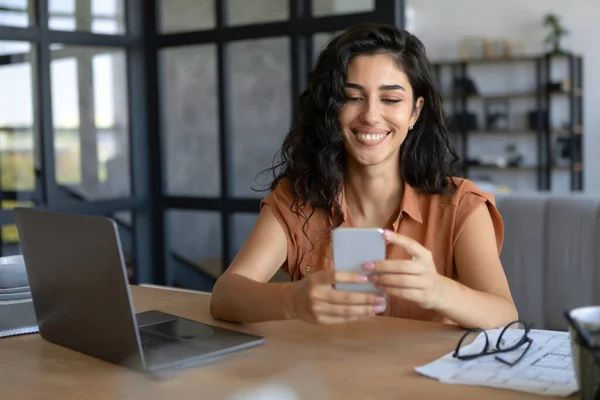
352	247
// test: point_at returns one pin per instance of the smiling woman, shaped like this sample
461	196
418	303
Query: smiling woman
368	148
375	120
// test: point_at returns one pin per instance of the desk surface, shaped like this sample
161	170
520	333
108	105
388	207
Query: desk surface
374	359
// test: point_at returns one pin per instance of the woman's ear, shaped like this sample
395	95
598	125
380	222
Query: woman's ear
417	110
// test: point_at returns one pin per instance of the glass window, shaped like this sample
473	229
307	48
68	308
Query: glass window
336	7
89	111
186	15
18	13
260	109
190	120
96	16
18	126
243	12
320	40
195	240
19	132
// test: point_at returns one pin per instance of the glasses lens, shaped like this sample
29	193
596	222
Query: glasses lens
473	344
512	336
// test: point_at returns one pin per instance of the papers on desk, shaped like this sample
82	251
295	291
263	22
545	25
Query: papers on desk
17	317
547	367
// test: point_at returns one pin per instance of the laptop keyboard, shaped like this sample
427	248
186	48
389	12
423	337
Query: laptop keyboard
150	341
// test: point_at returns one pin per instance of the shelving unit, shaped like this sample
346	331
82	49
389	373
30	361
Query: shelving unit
543	90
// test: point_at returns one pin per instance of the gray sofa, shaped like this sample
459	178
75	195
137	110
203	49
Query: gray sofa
551	254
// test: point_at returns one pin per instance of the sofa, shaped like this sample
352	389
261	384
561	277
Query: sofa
551	254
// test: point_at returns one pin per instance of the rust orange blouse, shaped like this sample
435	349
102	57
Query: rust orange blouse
436	221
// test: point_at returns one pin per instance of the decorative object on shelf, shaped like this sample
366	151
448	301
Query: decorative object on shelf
464	87
488	48
562	150
488	161
514	158
472	47
559	87
515	48
464	121
495	48
562	157
557	32
496	114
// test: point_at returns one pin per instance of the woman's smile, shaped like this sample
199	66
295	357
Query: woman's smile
369	136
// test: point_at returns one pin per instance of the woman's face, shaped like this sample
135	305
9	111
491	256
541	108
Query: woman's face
379	109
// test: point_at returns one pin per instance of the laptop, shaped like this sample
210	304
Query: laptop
82	301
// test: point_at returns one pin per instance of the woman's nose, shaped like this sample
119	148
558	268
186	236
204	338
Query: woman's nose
370	112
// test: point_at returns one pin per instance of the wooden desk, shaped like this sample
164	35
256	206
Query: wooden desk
367	360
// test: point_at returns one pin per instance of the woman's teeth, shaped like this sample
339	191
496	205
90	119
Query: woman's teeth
370	137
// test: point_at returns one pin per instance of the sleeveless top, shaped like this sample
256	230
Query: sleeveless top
436	221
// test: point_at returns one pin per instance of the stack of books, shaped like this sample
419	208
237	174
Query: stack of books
17	315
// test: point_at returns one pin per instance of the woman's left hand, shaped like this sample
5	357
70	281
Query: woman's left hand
416	280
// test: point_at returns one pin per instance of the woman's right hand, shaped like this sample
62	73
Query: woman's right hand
315	300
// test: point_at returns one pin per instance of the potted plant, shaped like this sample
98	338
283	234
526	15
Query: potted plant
557	32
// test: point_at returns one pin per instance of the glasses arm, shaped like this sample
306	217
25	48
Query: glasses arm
464	336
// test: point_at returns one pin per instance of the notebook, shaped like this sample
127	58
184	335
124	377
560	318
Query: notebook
17	317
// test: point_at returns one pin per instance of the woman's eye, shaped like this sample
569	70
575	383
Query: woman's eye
353	99
392	101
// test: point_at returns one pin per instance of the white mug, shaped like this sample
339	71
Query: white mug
589	319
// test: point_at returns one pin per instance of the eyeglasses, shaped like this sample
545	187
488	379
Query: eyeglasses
512	337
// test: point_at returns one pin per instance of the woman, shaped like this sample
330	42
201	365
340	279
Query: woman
368	148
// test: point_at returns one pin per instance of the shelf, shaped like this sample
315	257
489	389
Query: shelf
501	133
542	94
576	130
511	168
523	167
489	60
505	96
497	60
514	95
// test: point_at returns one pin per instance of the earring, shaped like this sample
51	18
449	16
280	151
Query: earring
410	127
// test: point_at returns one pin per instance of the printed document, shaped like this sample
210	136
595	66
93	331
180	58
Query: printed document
546	368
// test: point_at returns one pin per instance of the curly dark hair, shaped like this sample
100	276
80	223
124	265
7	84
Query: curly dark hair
312	156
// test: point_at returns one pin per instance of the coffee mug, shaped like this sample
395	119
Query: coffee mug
584	328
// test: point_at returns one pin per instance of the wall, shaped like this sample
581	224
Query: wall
442	24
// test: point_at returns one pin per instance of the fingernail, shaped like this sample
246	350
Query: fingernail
379	300
378	309
388	234
373	278
363	278
369	266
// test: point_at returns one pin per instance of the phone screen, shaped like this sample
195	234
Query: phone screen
353	247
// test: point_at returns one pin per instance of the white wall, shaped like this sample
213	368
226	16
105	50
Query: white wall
441	24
